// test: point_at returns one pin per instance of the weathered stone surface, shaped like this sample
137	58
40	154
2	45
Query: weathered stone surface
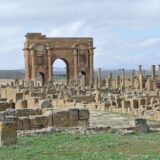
45	103
126	104
60	118
73	114
141	125
27	112
104	106
83	123
11	119
3	105
39	121
23	123
49	114
2	116
84	114
21	103
8	134
18	96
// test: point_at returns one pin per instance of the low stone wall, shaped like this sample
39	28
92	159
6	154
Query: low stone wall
8	93
29	119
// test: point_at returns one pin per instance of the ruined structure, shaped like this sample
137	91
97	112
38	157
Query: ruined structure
41	52
24	105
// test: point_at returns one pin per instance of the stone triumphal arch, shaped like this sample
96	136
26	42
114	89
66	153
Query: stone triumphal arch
41	52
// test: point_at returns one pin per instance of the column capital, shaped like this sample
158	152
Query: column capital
75	52
26	53
49	53
32	52
91	52
92	48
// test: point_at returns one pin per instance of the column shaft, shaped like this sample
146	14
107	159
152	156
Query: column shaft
49	65
33	64
75	66
91	66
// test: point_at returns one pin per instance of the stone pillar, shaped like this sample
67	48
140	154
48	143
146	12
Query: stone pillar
98	96
150	85
27	68
96	83
108	82
123	79
110	75
49	65
158	72
153	72
140	69
33	64
99	77
118	82
75	66
141	81
144	73
91	69
83	81
132	79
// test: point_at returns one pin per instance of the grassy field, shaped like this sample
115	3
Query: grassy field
88	147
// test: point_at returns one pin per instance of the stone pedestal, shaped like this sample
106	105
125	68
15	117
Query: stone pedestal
8	134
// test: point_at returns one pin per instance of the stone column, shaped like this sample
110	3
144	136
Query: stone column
49	65
75	66
108	82
91	70
153	72
96	83
123	79
98	96
110	76
83	80
158	72
132	79
141	81
118	83
99	78
140	69
33	64
27	68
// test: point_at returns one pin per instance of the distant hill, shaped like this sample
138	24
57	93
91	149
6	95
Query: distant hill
9	74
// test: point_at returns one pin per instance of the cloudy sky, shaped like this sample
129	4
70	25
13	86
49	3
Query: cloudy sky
126	32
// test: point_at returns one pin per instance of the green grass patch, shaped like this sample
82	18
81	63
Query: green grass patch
87	147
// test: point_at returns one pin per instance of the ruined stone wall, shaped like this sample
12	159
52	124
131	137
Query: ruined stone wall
8	93
28	119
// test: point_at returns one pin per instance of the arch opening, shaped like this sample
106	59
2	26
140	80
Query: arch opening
60	69
40	79
82	78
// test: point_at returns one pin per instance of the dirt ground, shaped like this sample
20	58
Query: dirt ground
4	81
114	120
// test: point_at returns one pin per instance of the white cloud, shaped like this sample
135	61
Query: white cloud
124	31
66	30
151	42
